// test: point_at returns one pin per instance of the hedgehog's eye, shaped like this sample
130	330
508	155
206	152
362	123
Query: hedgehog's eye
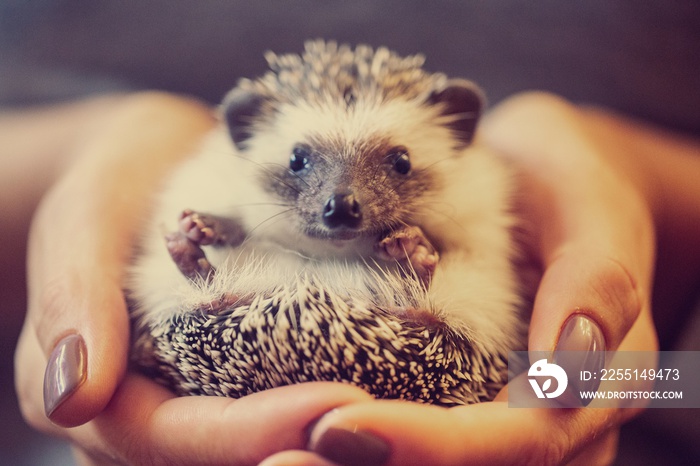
400	159
300	157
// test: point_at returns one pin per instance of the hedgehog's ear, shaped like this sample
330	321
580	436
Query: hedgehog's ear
240	109
462	102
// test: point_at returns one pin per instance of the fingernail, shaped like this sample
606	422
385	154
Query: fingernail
581	347
65	372
351	447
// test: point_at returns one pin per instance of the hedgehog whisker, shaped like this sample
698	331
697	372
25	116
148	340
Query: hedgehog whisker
438	211
396	188
276	177
267	171
317	178
301	179
427	167
378	167
285	182
258	204
271	173
386	175
419	171
266	222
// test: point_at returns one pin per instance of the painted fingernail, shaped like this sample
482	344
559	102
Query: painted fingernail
351	447
581	349
65	372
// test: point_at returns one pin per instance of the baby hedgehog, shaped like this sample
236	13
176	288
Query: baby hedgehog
341	224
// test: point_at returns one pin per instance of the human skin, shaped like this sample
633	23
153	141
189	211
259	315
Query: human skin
598	259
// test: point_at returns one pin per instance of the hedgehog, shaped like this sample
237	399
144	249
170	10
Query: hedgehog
341	223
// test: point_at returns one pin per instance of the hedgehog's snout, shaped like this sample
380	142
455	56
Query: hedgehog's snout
342	209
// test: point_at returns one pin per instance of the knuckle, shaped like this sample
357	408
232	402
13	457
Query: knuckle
145	105
50	311
620	289
539	104
129	448
549	451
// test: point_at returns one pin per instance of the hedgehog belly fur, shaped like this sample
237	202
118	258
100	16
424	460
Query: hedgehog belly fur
323	321
302	331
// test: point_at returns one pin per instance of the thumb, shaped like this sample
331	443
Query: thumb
79	245
587	304
591	224
79	318
586	301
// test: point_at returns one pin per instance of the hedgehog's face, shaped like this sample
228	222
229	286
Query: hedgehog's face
353	172
348	190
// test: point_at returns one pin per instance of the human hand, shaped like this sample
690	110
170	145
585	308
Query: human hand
77	322
589	216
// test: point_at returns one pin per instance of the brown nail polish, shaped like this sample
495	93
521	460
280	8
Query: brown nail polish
351	448
65	372
581	347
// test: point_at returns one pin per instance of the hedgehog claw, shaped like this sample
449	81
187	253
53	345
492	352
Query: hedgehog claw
410	245
188	256
198	228
204	230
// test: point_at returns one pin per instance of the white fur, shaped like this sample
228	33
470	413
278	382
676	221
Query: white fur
474	287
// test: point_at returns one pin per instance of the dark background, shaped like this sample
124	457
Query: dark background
640	58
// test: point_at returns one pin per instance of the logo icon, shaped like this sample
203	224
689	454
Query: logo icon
547	371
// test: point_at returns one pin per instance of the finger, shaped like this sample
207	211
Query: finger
71	393
80	243
595	232
597	249
395	433
585	302
296	458
29	379
602	450
146	422
398	433
90	348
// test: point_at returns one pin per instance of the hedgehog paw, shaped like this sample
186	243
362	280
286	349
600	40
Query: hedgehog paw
410	245
188	256
198	228
203	229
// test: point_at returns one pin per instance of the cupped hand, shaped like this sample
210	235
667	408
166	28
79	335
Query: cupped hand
586	211
71	361
592	233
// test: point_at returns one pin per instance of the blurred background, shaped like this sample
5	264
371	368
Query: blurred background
639	58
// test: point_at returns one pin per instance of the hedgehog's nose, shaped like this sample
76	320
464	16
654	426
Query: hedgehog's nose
342	210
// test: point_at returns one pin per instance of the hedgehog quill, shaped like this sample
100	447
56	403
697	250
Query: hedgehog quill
343	224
